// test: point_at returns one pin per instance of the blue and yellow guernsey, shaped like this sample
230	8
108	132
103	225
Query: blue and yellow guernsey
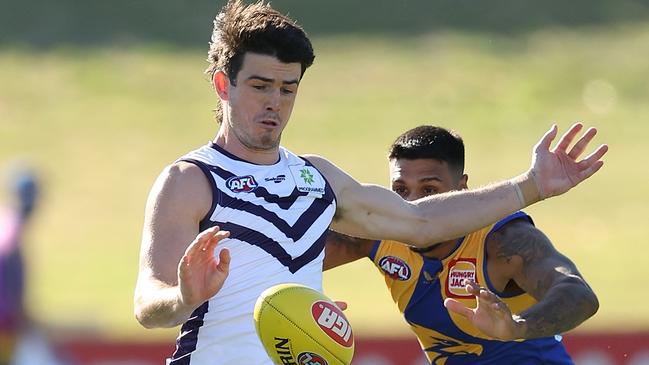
419	286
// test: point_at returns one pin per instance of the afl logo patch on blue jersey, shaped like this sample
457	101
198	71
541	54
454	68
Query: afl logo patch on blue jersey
241	184
395	267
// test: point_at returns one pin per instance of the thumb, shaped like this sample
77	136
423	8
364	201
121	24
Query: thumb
224	260
459	308
342	305
546	140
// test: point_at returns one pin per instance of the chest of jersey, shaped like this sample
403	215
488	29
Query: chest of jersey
420	285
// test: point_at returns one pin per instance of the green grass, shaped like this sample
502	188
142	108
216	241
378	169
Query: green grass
100	124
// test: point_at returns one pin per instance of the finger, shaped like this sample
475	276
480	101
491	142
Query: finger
591	164
593	157
340	304
568	137
487	297
545	141
500	307
459	308
214	240
590	171
207	234
472	287
200	240
580	146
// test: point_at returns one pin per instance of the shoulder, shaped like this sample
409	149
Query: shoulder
182	186
182	175
338	179
519	237
325	166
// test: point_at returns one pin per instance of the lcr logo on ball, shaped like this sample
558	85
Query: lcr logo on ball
333	322
310	358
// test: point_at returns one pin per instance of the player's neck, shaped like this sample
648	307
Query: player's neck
231	144
441	250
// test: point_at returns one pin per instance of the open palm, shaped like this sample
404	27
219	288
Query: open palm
200	275
491	315
558	170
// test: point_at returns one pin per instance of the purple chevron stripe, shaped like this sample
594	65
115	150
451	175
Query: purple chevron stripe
272	247
186	342
284	202
294	232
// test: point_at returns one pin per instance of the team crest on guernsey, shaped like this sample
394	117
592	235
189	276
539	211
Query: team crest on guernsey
459	271
395	267
241	184
307	179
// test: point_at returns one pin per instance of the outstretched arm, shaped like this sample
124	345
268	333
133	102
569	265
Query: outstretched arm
564	298
370	211
341	249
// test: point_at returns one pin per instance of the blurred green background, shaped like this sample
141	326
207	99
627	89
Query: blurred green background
99	96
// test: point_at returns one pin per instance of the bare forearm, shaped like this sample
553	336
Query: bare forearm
341	249
161	308
456	214
563	308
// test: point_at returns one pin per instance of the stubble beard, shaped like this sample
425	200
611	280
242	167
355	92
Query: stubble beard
264	142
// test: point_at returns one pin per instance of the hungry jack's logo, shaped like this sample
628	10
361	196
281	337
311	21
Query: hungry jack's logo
459	271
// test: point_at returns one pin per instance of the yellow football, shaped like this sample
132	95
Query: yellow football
301	326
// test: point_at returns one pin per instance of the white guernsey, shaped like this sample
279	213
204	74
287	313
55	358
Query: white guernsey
277	216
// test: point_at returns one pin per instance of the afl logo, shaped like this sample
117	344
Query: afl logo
241	184
395	267
309	358
333	322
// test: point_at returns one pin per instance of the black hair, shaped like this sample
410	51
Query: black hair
431	142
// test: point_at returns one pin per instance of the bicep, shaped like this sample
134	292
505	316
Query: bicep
367	210
539	266
371	211
174	208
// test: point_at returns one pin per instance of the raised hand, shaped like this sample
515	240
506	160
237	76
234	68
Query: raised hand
557	170
491	315
200	275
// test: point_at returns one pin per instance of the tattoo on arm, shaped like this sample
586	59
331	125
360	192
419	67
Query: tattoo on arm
341	249
564	298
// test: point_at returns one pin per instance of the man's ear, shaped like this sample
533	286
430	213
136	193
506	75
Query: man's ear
464	180
221	84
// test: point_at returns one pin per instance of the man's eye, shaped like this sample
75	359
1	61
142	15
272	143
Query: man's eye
430	190
399	190
259	87
287	91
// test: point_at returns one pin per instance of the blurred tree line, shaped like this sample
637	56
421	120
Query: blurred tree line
188	23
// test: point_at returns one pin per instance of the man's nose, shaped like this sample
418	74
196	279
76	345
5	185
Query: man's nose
273	101
412	196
